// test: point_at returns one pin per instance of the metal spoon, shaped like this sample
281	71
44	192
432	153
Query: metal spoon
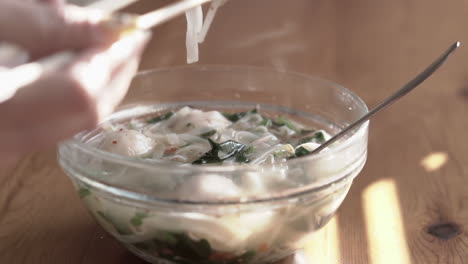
394	97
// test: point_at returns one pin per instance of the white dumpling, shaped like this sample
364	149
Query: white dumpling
252	182
229	233
208	187
127	142
187	119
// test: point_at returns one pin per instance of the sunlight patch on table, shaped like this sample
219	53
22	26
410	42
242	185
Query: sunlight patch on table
434	161
324	246
385	232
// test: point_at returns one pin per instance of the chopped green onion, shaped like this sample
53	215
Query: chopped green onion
234	117
83	192
208	134
306	131
230	147
283	121
301	151
317	137
160	118
137	220
182	248
284	151
250	150
266	122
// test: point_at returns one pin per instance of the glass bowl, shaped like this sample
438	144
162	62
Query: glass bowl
141	204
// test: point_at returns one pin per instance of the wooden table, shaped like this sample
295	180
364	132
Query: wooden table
409	204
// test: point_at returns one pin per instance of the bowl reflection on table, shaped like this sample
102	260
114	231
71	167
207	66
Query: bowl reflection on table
137	200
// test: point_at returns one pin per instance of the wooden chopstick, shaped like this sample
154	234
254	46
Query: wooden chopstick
145	21
111	6
153	18
161	15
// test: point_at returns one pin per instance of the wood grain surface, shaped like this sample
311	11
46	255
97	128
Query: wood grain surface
409	204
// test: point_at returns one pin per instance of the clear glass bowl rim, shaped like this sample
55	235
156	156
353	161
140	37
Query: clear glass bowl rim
76	143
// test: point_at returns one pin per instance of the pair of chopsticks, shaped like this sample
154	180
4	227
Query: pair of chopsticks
111	6
127	22
26	73
144	22
153	18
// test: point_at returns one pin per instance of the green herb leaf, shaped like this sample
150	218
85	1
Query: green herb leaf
301	151
242	159
181	248
230	148
250	150
83	192
196	249
306	131
122	230
241	156
160	118
266	122
234	117
285	151
317	137
210	156
148	155
283	121
208	134
137	220
167	237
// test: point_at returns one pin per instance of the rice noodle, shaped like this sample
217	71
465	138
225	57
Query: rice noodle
194	26
245	137
268	139
209	18
197	28
192	152
270	153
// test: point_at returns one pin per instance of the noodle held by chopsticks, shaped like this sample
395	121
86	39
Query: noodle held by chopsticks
194	26
209	18
197	28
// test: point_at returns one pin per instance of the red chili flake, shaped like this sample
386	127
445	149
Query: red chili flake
263	247
220	256
121	129
114	142
170	151
166	251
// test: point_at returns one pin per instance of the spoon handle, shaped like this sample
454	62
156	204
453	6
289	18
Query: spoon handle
394	97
